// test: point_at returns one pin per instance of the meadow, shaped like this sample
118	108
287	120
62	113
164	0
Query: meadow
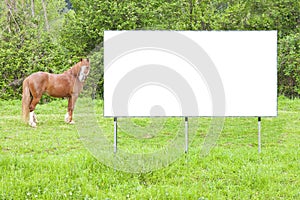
51	162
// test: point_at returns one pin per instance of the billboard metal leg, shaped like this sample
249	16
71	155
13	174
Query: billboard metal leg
115	135
259	134
186	131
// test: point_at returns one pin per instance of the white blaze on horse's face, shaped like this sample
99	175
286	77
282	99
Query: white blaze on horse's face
84	71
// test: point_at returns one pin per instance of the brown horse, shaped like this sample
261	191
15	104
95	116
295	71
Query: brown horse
68	84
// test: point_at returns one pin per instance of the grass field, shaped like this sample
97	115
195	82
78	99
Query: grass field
50	162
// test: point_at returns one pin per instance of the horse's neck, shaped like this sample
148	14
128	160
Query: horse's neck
73	70
73	73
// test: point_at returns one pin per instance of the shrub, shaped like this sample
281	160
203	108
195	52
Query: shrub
289	66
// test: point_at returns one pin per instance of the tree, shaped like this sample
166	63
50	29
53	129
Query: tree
52	35
25	46
45	15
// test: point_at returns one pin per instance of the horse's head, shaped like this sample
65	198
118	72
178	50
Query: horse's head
83	69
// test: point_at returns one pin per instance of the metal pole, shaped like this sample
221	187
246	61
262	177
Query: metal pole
259	134
115	135
186	125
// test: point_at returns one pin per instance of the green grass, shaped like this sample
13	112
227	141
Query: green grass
50	162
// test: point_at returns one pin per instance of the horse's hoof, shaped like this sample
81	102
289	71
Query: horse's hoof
32	124
72	122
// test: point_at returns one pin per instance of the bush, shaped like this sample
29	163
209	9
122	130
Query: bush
289	66
26	46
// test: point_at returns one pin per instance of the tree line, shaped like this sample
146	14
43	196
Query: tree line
52	35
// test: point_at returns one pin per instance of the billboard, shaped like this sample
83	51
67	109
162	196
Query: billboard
190	73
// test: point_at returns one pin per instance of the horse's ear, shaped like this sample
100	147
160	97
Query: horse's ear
80	59
87	59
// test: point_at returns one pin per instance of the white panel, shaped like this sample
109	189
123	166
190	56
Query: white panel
190	73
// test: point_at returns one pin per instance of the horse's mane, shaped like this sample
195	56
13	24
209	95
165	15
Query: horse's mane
74	70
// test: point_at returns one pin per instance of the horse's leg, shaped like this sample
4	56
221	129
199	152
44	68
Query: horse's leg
67	116
32	115
71	105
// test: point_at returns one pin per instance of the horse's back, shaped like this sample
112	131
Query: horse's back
39	76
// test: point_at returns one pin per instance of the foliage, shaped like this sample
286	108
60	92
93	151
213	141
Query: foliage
26	48
55	40
289	65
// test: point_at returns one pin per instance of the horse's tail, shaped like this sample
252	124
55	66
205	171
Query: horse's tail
25	100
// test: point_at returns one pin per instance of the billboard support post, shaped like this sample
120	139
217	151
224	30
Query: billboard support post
115	135
259	134
186	129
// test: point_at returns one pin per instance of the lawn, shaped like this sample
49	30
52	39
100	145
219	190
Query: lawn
52	161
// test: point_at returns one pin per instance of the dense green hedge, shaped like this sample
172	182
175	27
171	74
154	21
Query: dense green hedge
27	45
289	65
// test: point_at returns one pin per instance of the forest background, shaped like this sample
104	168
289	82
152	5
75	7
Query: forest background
52	35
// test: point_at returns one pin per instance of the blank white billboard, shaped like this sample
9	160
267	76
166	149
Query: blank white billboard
190	73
